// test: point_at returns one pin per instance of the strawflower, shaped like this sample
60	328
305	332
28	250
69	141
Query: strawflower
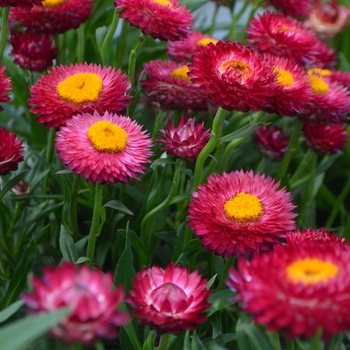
169	300
91	296
294	8
108	148
24	4
299	289
5	86
54	16
11	150
186	140
78	88
161	19
240	213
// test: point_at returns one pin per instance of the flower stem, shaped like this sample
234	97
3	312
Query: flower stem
73	205
49	155
81	43
303	164
4	29
255	6
163	341
227	266
109	36
95	224
216	131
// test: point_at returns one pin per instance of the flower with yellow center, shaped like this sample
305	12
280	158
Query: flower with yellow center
53	3
206	42
318	85
284	77
181	73
162	2
241	67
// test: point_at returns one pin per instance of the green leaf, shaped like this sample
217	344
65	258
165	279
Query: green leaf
9	311
19	279
197	343
82	260
20	333
210	282
187	345
63	172
130	330
161	161
245	130
13	182
114	204
67	246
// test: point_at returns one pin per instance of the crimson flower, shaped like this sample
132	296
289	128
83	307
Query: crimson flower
5	86
294	8
24	4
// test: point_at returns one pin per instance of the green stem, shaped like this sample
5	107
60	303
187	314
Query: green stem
292	146
163	341
59	43
303	164
81	43
162	205
337	205
157	123
275	340
4	30
49	155
73	205
95	224
121	44
228	264
132	58
255	6
236	18
109	36
315	342
216	131
213	19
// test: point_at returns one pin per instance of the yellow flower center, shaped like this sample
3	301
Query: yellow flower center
79	88
318	85
163	2
319	71
239	66
243	208
180	73
107	137
284	77
206	41
53	3
311	271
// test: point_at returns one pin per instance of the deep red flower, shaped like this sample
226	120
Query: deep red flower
24	4
5	86
169	300
233	76
169	87
299	237
91	296
299	289
186	140
161	19
55	16
240	213
283	36
11	150
294	8
32	51
272	142
326	138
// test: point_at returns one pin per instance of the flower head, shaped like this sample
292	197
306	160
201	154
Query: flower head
79	88
54	16
169	300
169	86
161	19
5	86
326	138
283	36
183	50
240	213
21	189
90	295
108	148
233	76
294	8
24	4
310	288
11	150
272	142
32	51
186	140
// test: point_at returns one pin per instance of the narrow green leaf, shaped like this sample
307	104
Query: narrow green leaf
63	172
187	345
114	204
130	330
82	260
20	333
197	343
161	161
9	311
67	246
210	282
245	130
13	182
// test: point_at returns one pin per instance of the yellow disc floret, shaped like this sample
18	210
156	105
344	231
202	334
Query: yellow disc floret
244	208
53	3
239	66
80	88
163	2
318	85
284	77
180	73
311	271
206	41
319	71
107	137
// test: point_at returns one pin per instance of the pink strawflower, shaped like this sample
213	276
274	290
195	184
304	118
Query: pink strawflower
284	36
300	289
32	51
169	87
161	19
24	4
326	138
271	141
169	300
300	237
233	76
54	16
294	8
108	148
79	88
5	86
183	50
240	213
91	296
11	150
186	140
